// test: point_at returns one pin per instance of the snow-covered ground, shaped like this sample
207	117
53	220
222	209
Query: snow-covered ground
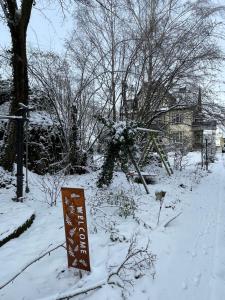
190	250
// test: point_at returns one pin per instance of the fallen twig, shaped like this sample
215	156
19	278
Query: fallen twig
77	292
134	260
31	263
168	222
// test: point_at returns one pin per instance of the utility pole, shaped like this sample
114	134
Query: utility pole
19	158
20	119
23	114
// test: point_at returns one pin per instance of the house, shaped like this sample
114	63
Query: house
180	121
189	127
220	137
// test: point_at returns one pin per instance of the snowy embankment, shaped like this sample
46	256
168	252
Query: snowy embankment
190	250
14	219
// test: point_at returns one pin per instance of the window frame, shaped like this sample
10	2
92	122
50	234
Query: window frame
177	118
178	137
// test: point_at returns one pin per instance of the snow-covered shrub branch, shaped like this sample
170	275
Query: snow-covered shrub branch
135	264
31	263
107	206
51	186
120	139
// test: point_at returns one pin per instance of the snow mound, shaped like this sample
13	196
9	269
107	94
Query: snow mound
14	220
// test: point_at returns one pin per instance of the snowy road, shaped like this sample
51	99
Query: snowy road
191	252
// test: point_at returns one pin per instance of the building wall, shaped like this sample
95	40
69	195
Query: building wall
179	128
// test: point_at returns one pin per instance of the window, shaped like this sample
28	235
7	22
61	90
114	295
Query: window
177	118
178	137
198	138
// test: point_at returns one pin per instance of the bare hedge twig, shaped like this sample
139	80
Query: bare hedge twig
136	259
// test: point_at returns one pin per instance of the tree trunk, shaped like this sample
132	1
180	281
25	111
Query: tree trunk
19	93
75	155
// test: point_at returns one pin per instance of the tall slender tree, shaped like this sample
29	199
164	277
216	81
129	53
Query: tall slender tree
147	48
17	19
17	16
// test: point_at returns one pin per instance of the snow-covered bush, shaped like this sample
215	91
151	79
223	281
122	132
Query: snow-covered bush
102	214
44	148
126	203
197	173
6	179
106	208
120	142
137	262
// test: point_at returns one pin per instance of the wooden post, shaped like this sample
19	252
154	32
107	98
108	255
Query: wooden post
142	158
138	170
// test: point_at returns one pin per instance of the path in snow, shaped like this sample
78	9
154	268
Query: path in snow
191	251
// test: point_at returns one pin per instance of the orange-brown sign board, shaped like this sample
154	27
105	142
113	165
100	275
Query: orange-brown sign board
76	228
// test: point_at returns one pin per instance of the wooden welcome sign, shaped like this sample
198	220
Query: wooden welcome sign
76	228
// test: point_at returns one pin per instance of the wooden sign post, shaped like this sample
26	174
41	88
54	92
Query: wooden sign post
76	228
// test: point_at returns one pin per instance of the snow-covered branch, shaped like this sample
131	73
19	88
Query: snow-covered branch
4	8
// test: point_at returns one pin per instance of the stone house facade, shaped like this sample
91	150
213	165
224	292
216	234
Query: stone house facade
185	127
180	121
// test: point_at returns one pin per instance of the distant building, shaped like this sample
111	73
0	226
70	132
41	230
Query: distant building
181	122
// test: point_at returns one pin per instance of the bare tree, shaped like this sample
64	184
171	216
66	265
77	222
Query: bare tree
144	49
17	19
100	42
178	49
17	16
69	100
52	75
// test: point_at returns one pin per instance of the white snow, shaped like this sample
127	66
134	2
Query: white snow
12	216
40	117
190	250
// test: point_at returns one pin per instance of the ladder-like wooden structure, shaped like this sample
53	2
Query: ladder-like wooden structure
153	142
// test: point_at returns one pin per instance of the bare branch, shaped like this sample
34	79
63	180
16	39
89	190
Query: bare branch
31	263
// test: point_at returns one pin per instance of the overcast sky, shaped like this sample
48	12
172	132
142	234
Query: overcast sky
48	29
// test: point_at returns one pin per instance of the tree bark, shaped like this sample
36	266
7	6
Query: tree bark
17	21
73	148
19	93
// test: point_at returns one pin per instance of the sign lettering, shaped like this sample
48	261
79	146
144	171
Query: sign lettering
76	228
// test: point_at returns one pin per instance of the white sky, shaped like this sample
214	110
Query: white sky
48	29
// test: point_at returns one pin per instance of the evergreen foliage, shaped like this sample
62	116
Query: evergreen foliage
120	138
